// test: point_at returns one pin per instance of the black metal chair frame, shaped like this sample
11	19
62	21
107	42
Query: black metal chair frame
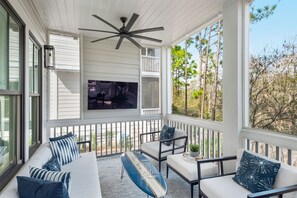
86	142
192	183
173	149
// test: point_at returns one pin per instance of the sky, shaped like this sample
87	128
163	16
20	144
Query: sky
270	32
279	26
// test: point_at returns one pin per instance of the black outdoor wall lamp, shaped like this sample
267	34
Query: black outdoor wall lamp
49	57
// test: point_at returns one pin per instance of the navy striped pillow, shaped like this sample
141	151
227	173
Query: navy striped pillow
65	150
55	176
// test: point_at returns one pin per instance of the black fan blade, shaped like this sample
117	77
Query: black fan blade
147	30
94	15
119	43
97	30
146	38
104	38
134	42
131	22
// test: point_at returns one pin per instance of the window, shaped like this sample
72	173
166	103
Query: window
150	92
273	66
11	63
197	74
150	77
65	79
34	92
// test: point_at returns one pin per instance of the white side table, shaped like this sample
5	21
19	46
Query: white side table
186	168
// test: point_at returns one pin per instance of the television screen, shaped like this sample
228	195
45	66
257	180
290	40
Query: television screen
112	95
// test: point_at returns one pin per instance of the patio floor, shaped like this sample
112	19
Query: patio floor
112	186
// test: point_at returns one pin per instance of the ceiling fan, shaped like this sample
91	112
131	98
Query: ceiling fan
124	31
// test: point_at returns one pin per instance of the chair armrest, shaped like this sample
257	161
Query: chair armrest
173	139
173	145
86	142
274	192
219	160
149	133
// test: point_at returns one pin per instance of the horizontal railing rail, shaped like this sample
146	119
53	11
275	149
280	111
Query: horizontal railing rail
206	133
108	137
150	64
281	147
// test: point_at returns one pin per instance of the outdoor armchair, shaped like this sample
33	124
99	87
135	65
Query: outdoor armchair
223	186
152	146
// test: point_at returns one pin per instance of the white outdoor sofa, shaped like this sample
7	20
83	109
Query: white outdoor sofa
223	186
84	174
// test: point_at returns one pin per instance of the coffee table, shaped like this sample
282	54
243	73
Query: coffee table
144	174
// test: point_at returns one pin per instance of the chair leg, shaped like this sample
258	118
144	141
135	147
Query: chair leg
191	190
167	170
160	166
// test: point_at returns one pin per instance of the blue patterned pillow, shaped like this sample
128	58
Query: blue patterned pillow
61	137
255	173
65	150
37	188
56	176
52	165
167	133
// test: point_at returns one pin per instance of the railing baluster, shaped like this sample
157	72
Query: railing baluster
208	145
219	144
111	137
277	153
125	137
213	143
96	136
134	135
289	156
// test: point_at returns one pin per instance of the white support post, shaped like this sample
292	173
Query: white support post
166	81
232	75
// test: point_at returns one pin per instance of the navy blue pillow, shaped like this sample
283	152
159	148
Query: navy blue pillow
61	137
37	188
52	165
255	173
167	133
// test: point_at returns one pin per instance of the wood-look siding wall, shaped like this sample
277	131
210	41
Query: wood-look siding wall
101	61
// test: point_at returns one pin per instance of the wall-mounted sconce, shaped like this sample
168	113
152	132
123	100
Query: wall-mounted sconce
49	57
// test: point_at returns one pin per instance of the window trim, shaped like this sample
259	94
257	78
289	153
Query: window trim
34	147
142	74
19	136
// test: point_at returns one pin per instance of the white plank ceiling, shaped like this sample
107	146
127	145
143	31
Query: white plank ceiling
178	17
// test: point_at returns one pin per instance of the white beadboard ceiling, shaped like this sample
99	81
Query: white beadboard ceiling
178	17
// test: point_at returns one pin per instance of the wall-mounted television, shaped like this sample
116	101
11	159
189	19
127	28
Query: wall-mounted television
112	95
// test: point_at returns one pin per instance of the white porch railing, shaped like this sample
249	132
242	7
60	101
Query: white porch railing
152	111
115	136
108	137
150	64
206	133
277	146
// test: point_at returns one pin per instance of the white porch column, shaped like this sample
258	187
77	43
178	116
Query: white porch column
232	75
166	91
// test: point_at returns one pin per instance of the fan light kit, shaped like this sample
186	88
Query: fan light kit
124	31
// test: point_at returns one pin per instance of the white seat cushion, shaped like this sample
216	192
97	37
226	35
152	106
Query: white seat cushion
84	176
189	169
223	187
152	148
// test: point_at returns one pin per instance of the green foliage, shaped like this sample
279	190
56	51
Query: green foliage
273	90
194	147
126	143
257	14
188	75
